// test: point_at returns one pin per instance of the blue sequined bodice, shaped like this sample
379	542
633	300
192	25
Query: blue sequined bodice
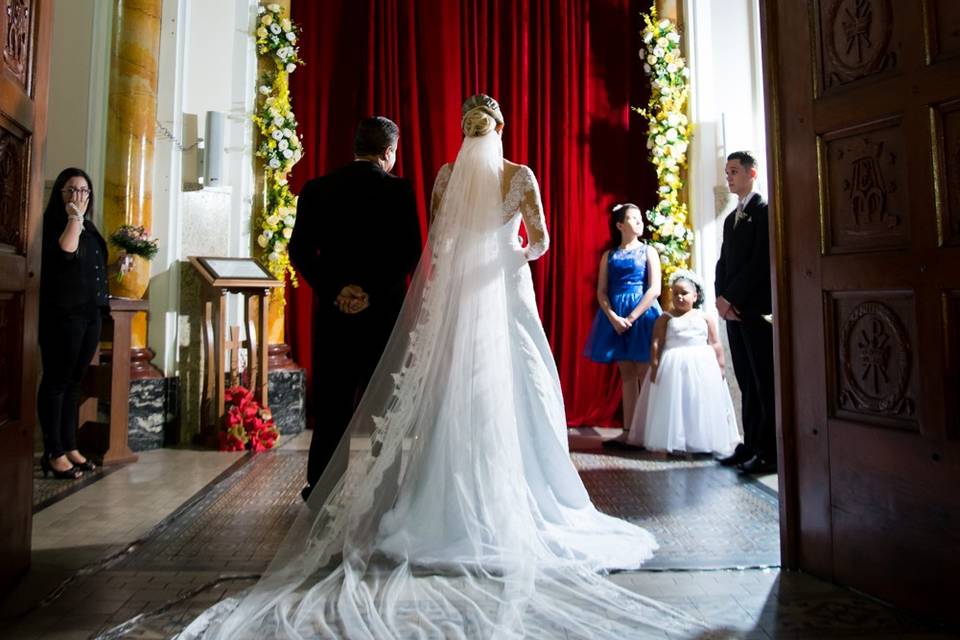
627	270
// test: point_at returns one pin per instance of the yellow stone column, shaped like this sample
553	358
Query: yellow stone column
669	9
132	108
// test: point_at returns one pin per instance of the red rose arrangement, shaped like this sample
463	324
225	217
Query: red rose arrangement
246	425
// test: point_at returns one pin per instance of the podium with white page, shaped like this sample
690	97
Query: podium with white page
245	277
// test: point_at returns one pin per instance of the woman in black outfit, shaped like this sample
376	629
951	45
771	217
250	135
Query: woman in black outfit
73	295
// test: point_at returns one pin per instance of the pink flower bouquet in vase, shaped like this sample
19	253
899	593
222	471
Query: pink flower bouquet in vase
132	267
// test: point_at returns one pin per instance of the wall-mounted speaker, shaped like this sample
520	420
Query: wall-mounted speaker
213	149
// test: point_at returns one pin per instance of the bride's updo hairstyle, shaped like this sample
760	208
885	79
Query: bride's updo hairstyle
480	115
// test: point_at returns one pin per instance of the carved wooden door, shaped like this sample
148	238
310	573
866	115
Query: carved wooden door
24	63
864	106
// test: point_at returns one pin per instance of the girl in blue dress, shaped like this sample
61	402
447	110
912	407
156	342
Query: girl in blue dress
627	289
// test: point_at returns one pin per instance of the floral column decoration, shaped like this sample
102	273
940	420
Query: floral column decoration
279	147
668	136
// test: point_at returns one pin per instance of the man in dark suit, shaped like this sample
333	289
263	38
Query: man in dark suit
356	240
743	299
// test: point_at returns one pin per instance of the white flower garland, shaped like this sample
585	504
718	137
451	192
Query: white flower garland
280	147
668	137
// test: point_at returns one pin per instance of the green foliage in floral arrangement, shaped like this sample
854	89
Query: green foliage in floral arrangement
135	241
668	138
280	147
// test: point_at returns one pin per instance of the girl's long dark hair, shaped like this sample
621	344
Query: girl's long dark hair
55	209
618	214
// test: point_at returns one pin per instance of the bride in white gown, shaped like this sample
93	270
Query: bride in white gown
464	517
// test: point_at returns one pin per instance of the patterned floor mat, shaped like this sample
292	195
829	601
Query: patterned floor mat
49	490
703	516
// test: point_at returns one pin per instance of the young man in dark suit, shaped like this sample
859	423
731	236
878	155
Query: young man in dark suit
356	240
743	299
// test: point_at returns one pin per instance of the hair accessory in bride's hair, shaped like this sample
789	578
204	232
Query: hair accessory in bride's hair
481	114
617	207
485	103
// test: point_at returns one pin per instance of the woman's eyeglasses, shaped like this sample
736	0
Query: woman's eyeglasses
70	191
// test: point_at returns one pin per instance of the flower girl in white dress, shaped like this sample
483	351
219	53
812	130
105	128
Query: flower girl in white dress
685	404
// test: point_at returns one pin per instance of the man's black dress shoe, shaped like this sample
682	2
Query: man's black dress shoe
739	455
614	443
757	465
305	492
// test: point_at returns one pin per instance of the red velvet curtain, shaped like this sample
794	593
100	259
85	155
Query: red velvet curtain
565	73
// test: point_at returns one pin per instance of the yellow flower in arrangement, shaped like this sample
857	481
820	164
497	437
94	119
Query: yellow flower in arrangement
668	137
280	147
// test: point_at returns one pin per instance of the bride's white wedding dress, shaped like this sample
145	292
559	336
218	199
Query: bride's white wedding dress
465	518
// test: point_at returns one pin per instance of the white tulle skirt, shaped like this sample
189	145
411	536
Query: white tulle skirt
688	408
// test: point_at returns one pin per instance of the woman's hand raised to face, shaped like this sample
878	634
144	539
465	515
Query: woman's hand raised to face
77	201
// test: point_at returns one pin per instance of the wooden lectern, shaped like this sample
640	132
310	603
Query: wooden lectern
109	379
245	277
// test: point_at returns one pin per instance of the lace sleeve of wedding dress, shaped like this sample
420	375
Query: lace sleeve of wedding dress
439	188
524	195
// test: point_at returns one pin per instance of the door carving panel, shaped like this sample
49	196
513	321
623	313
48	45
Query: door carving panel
946	136
942	26
858	39
14	152
865	200
18	39
875	367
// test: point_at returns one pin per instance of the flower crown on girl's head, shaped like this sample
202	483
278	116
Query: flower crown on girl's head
692	278
686	274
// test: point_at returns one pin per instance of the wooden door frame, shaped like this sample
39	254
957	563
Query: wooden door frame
811	529
24	274
782	327
43	51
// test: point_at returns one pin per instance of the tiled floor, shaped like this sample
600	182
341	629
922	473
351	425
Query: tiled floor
101	520
176	558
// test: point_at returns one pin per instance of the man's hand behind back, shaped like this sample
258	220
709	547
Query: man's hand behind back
352	299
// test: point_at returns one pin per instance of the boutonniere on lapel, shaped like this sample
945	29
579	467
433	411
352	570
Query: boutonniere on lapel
741	216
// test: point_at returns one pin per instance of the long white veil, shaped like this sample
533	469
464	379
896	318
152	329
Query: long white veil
428	528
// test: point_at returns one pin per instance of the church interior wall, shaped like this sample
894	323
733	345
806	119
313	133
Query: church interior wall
207	64
727	113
